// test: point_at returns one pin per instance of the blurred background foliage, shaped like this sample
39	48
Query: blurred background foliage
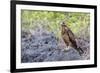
78	22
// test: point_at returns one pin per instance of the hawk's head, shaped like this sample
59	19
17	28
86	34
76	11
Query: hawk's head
64	27
63	24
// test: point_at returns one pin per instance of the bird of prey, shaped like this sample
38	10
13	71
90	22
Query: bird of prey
69	38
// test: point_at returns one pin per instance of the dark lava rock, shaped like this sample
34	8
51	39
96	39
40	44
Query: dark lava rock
43	48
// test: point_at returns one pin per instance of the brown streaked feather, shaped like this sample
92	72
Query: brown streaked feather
72	38
69	38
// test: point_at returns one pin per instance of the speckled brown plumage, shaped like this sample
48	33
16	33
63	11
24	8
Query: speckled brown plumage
69	38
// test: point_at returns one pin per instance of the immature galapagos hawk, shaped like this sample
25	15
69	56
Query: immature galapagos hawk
69	38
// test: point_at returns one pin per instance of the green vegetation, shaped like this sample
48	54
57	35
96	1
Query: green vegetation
78	22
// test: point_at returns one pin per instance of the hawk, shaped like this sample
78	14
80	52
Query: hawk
69	38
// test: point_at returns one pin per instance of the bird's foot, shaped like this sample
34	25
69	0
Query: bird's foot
66	49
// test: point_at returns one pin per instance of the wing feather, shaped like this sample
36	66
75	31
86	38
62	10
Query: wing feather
72	38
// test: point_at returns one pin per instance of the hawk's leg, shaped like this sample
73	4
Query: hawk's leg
68	47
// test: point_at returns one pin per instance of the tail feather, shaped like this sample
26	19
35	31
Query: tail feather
80	50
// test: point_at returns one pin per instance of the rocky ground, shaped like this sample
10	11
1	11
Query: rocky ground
42	47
